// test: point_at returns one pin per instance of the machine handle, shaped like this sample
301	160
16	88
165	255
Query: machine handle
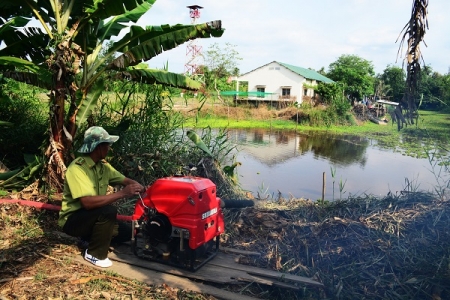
228	203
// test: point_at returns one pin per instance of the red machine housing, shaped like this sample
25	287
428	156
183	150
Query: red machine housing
189	203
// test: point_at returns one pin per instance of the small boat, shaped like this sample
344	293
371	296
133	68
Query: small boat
378	121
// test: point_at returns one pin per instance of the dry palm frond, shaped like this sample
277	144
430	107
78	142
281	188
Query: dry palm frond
415	31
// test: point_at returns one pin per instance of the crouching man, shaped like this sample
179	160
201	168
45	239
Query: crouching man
87	211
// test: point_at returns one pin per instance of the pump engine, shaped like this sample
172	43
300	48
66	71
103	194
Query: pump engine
178	221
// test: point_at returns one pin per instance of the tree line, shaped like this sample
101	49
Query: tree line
357	77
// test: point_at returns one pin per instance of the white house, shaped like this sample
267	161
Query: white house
278	81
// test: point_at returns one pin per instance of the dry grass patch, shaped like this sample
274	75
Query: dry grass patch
390	248
262	112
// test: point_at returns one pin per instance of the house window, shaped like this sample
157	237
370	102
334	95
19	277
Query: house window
305	92
286	93
261	91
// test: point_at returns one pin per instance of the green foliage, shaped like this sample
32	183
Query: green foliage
152	142
21	178
318	117
329	91
355	73
68	47
222	61
395	78
20	105
196	139
223	84
330	116
341	106
333	96
147	148
341	183
435	89
217	142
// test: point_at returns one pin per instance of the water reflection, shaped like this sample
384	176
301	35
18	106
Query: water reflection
293	164
342	150
273	147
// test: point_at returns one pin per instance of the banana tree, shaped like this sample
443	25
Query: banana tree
63	54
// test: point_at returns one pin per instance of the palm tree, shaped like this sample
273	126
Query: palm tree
63	55
382	89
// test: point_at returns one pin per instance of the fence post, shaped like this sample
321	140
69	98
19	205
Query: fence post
323	186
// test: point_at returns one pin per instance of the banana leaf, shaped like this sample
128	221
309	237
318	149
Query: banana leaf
194	137
4	123
9	174
20	178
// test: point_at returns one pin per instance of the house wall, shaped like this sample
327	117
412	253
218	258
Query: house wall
309	91
273	77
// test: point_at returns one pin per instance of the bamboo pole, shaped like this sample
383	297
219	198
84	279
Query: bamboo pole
323	186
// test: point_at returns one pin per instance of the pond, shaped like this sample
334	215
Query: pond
296	164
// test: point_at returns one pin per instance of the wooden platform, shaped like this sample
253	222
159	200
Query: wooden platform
223	269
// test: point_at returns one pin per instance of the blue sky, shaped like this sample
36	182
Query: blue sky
309	34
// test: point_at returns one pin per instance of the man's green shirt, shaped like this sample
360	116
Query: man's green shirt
86	178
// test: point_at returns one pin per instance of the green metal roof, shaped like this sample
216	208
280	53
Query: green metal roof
307	73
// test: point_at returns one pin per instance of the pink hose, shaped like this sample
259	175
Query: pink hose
47	206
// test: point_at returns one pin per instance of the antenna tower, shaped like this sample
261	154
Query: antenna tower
194	56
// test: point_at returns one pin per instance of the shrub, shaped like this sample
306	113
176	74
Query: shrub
21	106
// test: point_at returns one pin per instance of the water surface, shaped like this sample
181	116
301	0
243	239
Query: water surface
293	164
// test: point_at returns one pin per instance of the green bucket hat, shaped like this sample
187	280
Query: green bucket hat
94	136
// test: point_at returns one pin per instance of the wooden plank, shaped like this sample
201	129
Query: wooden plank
204	273
229	261
226	272
284	277
207	273
156	278
269	282
238	251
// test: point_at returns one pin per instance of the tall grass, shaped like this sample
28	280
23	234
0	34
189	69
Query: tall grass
153	141
150	143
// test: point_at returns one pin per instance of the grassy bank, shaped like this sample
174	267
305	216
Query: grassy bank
430	131
435	123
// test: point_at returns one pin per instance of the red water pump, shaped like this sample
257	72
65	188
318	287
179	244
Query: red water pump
178	221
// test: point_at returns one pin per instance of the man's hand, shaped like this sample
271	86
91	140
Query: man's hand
133	189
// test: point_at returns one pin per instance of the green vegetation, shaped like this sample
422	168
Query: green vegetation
430	131
87	75
20	106
153	144
355	73
66	56
220	64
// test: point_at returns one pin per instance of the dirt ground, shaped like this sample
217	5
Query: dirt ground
36	262
397	247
